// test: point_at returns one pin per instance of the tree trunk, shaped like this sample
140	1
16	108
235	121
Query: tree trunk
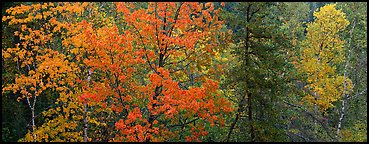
33	115
252	130
85	122
344	96
249	98
33	124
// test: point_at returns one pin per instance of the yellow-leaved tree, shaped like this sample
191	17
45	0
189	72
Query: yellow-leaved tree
321	53
43	66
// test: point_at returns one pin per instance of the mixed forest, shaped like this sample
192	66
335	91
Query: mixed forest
184	71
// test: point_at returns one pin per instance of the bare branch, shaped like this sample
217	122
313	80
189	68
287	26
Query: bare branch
312	115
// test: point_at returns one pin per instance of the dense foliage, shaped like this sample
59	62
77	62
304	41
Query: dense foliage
183	71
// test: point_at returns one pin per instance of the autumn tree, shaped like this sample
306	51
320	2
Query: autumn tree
45	60
39	66
321	58
321	52
160	41
176	43
151	68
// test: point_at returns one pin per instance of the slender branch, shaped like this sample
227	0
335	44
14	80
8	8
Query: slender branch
171	30
300	136
362	92
156	26
183	86
176	125
233	125
180	61
147	58
312	115
175	19
119	93
182	68
182	129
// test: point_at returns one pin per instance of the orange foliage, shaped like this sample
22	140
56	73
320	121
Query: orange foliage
144	72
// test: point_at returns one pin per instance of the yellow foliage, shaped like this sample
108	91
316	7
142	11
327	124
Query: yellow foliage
321	51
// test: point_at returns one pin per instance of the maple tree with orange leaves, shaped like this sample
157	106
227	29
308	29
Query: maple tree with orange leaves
171	44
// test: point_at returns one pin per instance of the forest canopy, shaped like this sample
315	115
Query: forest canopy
184	71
